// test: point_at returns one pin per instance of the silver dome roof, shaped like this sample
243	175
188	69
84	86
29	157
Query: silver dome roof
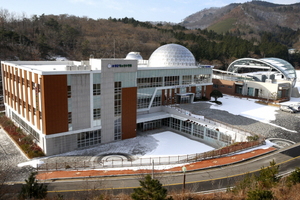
134	56
171	55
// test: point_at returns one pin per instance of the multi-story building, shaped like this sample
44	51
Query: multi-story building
68	105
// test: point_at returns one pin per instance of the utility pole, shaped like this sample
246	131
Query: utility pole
183	186
152	169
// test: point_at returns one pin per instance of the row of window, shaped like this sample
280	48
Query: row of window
147	126
143	102
96	90
22	103
149	82
198	130
171	80
25	126
90	138
117	131
96	115
22	80
118	98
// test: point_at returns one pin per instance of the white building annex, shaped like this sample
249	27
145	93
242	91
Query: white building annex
266	78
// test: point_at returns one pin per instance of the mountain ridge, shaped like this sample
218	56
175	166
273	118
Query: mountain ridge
249	17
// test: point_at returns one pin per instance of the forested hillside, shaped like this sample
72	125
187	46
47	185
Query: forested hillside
249	19
77	38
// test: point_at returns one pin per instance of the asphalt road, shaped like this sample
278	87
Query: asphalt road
196	181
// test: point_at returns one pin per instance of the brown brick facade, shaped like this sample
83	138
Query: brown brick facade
224	86
54	104
129	102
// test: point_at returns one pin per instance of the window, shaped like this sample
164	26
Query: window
26	126
186	80
143	102
149	82
118	98
97	89
202	78
250	91
89	138
118	133
70	117
198	131
171	80
97	113
225	138
69	91
238	89
186	127
156	101
212	134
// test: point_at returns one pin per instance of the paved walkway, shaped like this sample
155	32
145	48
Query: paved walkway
205	164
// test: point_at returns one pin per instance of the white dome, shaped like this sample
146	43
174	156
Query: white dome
134	56
171	55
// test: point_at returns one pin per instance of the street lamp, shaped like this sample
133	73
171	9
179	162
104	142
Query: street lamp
183	186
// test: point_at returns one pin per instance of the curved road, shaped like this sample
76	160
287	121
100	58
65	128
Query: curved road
196	181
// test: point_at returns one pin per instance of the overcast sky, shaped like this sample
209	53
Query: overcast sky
142	10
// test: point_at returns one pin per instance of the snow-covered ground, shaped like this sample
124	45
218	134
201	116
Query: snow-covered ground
247	107
180	145
168	144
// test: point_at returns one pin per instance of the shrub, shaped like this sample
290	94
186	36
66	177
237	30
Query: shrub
294	177
68	166
252	138
24	141
260	195
151	189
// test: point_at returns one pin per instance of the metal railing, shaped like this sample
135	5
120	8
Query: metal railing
116	161
211	122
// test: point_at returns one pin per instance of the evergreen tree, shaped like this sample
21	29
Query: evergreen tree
32	189
151	189
216	94
268	176
260	195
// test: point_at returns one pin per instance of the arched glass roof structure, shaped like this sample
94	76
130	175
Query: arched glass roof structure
268	64
171	55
